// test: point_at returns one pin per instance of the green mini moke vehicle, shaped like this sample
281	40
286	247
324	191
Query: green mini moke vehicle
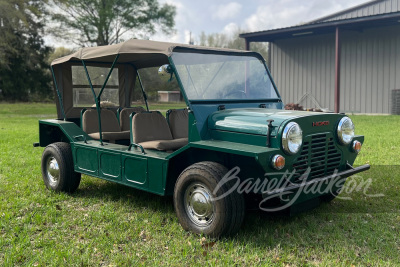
232	144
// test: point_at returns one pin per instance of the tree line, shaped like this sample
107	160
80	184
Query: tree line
25	58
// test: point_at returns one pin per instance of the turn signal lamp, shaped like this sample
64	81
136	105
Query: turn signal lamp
278	162
356	146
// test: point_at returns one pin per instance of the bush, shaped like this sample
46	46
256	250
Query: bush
293	106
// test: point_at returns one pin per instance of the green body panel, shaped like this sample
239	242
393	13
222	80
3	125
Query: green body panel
232	148
110	165
112	162
254	121
236	137
202	111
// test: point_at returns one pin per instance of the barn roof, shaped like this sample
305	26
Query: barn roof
355	18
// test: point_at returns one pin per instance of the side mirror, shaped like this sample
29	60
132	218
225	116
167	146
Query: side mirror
165	72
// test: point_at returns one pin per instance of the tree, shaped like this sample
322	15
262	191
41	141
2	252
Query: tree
233	42
23	68
104	22
58	52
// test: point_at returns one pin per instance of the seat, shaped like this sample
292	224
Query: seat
124	116
109	125
178	120
151	131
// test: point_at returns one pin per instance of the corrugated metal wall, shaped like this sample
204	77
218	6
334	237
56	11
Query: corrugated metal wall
305	65
370	69
374	8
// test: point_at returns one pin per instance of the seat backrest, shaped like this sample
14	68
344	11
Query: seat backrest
90	121
149	126
178	120
124	116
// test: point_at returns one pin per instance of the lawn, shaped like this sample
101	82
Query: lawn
108	224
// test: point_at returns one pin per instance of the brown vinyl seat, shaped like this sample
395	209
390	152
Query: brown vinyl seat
109	125
124	116
178	120
151	131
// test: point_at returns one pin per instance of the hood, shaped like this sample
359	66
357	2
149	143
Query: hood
254	120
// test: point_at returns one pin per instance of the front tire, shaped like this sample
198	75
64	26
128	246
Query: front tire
58	168
195	204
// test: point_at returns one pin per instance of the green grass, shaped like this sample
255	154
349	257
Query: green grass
107	224
165	106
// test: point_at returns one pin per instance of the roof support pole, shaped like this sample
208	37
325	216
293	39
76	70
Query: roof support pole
337	70
143	92
97	98
108	77
60	99
247	44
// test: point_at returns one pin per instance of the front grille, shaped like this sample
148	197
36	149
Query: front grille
320	154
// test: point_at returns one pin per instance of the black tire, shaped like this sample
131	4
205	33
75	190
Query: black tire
198	181
58	168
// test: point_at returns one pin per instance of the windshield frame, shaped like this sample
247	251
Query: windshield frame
233	53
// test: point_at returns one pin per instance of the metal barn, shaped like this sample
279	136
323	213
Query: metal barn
346	62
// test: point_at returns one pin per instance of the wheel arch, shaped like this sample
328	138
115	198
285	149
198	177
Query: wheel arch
49	134
52	131
249	166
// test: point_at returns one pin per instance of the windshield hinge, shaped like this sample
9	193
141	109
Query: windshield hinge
269	132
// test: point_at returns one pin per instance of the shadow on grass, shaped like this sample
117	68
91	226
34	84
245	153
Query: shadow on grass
93	188
339	225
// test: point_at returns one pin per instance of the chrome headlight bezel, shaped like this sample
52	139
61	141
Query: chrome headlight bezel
343	126
287	147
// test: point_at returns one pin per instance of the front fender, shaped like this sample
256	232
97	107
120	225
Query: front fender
261	154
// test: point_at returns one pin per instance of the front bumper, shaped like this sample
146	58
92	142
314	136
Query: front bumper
290	187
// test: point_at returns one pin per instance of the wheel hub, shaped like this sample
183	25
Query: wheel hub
199	205
53	171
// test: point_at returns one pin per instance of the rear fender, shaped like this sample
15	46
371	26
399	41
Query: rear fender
51	131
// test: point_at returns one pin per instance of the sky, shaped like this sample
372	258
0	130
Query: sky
226	16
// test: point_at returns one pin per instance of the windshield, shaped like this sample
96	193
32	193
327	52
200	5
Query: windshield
227	77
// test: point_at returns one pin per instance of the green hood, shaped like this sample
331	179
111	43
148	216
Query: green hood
254	120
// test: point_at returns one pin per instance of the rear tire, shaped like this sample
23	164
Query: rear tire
195	206
58	168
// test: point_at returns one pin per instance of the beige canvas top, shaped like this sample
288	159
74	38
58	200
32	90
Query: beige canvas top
134	51
134	54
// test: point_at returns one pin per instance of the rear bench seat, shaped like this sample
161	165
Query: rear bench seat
124	114
109	125
151	131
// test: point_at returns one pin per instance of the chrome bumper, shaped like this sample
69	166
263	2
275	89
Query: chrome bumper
340	175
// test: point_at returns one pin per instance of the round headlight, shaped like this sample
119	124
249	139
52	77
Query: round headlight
345	130
292	138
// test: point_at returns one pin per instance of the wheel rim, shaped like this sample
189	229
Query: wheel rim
199	205
53	171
